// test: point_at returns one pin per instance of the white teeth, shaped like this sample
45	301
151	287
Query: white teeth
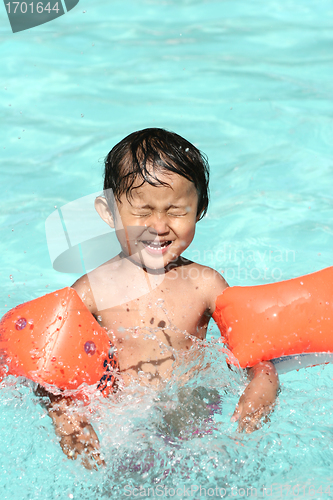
157	244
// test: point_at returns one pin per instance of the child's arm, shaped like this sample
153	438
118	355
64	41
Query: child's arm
77	435
258	398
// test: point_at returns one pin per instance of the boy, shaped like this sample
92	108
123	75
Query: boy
156	190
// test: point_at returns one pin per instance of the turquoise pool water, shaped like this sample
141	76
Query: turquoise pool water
250	83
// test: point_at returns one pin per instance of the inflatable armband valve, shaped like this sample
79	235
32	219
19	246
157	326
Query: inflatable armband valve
56	340
263	322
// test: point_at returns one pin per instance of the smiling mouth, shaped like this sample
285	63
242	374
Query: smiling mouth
156	244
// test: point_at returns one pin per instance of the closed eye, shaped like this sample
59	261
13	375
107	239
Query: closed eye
142	215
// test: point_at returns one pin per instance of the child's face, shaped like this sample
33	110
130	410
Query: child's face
157	223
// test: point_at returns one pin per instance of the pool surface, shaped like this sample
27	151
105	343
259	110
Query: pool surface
251	85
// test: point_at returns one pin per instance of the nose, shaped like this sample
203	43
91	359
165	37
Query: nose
158	224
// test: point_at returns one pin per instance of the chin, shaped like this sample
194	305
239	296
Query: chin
147	262
154	264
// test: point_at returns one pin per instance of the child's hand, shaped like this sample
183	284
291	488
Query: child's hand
82	442
77	435
258	399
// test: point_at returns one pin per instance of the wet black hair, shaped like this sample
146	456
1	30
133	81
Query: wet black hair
141	155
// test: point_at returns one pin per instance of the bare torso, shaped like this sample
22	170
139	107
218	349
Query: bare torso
149	317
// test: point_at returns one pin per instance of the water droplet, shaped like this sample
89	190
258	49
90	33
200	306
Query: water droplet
135	333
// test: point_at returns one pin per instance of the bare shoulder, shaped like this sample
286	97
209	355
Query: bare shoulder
211	278
83	289
210	283
99	279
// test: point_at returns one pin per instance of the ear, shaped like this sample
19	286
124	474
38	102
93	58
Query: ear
103	210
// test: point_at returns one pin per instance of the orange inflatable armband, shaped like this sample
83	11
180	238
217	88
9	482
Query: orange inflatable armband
56	340
263	322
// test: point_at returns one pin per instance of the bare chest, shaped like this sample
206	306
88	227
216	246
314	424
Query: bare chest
147	330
